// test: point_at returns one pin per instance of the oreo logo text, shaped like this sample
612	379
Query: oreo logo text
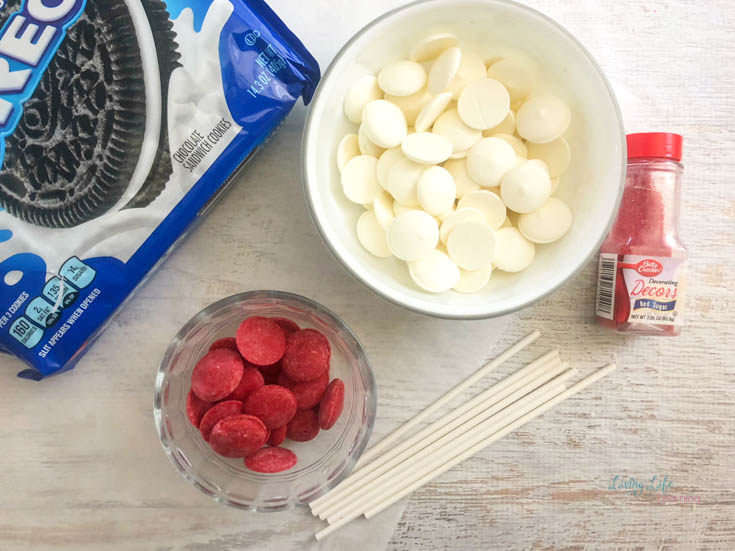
28	41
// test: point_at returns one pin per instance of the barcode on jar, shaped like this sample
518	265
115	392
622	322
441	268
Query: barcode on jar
607	271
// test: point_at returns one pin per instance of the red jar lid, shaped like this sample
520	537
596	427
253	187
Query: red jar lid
662	145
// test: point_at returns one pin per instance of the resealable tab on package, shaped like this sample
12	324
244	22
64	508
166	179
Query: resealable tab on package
119	121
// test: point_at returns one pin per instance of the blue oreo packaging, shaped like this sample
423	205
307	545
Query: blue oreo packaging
120	122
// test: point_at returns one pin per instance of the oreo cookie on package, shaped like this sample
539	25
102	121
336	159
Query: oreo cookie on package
119	121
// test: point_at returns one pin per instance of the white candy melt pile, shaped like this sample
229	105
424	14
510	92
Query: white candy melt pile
455	166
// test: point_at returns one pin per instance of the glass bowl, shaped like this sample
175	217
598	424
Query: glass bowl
323	462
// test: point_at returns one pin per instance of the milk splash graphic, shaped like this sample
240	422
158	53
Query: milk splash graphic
196	94
196	101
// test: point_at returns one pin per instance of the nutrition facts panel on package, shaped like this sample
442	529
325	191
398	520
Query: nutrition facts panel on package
59	293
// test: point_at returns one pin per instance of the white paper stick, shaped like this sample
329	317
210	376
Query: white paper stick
482	406
581	385
434	406
353	513
497	391
488	422
466	453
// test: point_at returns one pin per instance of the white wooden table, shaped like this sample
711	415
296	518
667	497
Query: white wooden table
82	468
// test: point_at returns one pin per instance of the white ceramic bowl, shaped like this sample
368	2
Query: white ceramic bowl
592	186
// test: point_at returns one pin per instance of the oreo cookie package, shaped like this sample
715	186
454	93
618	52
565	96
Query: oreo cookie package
120	121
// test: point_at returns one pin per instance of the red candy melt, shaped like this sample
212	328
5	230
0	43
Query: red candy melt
272	404
251	381
304	426
277	436
307	355
309	393
216	413
196	408
217	374
271	460
238	436
270	373
260	340
268	383
227	342
333	401
287	325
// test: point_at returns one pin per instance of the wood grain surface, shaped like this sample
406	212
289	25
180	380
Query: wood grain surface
81	468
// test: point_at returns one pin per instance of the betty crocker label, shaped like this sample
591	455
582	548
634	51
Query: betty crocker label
28	41
654	286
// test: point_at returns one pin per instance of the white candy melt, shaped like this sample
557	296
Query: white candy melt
431	111
508	126
451	126
403	181
443	70
488	203
443	216
483	104
385	163
458	169
513	252
361	93
471	245
399	209
383	209
411	105
360	180
348	147
413	235
556	155
515	142
384	122
367	147
431	46
372	236
436	273
517	74
555	185
539	163
547	224
420	160
543	119
472	282
426	148
436	190
526	187
402	78
459	216
489	160
471	68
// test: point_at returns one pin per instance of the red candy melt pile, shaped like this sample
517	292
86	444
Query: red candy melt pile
268	383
